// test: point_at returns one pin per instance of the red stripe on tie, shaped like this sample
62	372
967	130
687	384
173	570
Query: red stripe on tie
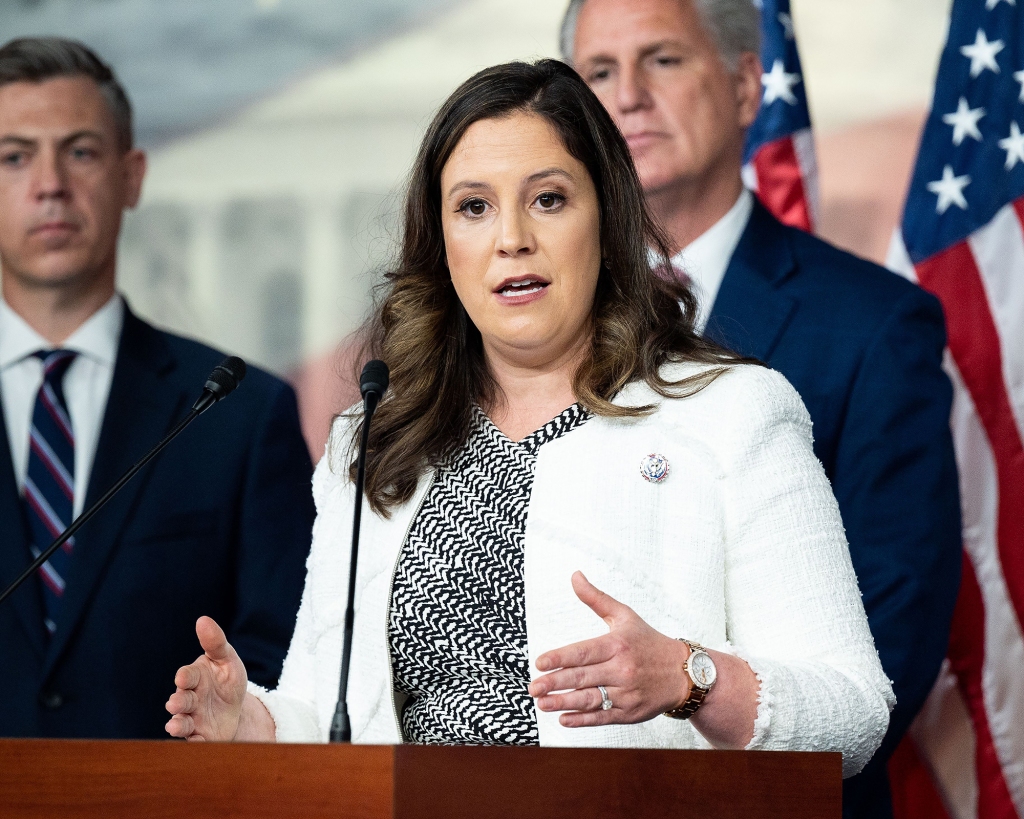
51	584
33	501
953	276
966	657
57	414
56	358
52	468
780	183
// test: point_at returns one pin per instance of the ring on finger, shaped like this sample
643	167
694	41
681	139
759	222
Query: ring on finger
606	702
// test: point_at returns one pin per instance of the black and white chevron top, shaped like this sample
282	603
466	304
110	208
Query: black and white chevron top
457	623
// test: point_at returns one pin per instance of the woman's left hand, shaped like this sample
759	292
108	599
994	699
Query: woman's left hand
640	668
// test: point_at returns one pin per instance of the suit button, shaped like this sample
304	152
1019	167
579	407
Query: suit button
51	700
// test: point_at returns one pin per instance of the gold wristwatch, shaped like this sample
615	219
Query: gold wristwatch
700	668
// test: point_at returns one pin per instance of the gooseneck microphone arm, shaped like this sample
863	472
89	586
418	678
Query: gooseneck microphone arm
373	383
225	377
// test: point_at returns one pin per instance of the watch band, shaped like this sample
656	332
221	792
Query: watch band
697	694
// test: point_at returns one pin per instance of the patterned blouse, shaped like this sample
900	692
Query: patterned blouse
457	623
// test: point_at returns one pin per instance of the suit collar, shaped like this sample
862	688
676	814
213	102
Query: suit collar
17	339
751	311
707	257
96	338
142	406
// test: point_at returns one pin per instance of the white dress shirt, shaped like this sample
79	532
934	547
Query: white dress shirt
86	384
706	259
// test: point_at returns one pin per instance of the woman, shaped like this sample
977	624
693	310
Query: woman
552	410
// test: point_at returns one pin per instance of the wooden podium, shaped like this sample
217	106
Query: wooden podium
74	779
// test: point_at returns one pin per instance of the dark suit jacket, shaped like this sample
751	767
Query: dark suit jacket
218	524
864	347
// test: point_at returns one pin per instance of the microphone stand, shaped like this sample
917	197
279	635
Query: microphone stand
341	726
214	391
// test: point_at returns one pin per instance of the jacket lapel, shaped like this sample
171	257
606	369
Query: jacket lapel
27	602
750	312
141	408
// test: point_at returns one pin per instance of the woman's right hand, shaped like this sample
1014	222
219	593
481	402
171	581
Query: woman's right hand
207	704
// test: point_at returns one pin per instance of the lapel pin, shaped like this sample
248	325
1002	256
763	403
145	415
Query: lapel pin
654	468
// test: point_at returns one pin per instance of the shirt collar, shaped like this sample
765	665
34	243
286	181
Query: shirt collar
707	257
97	338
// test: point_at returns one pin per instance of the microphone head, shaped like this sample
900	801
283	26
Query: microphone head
375	378
226	376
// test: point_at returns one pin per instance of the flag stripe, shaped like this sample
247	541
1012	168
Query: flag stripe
918	796
974	342
780	185
807	157
943	735
1018	206
1004	643
749	176
998	250
962	226
966	655
988	487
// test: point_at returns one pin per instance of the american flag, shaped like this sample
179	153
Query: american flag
779	160
962	239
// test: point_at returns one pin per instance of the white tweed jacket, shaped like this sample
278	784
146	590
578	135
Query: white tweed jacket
740	548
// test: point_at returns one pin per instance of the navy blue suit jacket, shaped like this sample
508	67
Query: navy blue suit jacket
218	524
864	347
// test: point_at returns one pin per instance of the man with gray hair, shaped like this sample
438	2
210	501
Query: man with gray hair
682	79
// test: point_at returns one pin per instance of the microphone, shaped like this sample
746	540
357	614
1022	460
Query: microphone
225	377
373	383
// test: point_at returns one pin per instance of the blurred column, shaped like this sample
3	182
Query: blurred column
204	261
324	325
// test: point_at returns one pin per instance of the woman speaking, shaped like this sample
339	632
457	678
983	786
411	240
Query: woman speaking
588	526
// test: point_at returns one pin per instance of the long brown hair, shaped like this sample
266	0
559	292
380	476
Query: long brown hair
641	320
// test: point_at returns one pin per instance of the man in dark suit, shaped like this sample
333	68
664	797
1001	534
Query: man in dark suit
682	79
218	524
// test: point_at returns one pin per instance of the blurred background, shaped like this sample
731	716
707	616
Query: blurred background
280	132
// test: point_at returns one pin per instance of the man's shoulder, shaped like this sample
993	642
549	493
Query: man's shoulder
194	361
836	280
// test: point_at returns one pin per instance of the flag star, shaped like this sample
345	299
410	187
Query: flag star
982	53
1019	77
787	25
779	85
991	4
964	121
1013	145
950	190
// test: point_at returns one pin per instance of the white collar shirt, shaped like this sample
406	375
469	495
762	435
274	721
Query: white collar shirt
707	257
86	384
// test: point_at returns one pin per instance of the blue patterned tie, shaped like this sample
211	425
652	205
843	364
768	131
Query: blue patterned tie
50	482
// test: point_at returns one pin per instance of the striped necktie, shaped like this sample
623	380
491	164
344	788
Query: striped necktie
50	481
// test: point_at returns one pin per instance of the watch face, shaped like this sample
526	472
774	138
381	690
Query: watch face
702	669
